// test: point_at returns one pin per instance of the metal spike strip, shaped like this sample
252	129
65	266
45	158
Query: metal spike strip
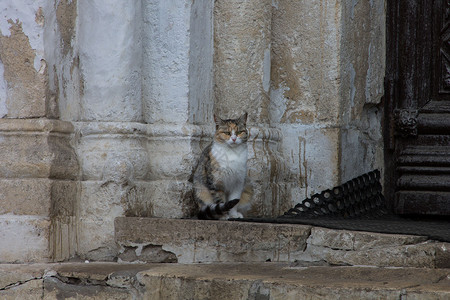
360	197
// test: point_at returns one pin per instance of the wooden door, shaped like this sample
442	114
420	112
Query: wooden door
417	106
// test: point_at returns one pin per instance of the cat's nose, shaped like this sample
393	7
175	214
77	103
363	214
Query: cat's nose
233	138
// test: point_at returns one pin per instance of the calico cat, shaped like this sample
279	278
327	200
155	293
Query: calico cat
220	177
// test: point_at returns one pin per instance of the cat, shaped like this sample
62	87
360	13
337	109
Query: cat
220	177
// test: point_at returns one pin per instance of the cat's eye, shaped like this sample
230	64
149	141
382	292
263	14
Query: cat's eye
227	132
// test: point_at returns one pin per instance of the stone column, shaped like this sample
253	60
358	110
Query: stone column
39	168
110	137
177	97
242	59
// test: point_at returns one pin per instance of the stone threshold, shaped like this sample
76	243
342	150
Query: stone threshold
98	280
199	241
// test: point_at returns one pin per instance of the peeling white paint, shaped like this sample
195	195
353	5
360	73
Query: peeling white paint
24	12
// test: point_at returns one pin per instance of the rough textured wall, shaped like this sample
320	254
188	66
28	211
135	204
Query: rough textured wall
65	80
38	177
326	85
242	58
242	43
305	83
362	79
201	49
109	140
305	74
146	97
132	85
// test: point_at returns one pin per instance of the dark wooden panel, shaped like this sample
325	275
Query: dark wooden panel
417	123
442	24
424	202
435	182
433	157
436	123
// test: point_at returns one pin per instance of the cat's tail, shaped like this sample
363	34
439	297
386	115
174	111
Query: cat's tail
214	211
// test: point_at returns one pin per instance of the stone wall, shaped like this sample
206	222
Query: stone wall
362	86
39	169
105	106
326	86
312	72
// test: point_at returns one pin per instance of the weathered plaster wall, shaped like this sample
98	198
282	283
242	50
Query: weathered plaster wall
39	168
108	104
305	77
136	83
110	51
326	86
108	137
177	97
242	57
242	34
23	68
362	77
305	85
65	82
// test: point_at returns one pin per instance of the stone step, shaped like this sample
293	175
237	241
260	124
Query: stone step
199	241
232	281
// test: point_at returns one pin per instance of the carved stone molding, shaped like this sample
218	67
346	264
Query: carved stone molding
406	122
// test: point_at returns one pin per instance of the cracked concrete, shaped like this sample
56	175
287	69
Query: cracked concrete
69	280
145	253
341	247
194	241
209	281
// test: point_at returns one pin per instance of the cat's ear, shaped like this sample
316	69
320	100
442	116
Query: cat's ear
217	120
243	119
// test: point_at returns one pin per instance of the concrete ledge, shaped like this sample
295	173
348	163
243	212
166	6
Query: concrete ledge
281	281
219	281
193	241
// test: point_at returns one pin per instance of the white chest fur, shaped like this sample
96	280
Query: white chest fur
233	165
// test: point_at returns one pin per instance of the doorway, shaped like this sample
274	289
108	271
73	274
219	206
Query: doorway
417	107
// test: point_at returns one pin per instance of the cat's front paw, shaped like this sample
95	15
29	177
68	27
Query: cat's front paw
235	215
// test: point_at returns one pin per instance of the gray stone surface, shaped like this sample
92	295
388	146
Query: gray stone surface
280	281
193	241
219	281
341	247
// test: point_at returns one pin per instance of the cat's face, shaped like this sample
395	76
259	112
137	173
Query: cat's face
232	132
